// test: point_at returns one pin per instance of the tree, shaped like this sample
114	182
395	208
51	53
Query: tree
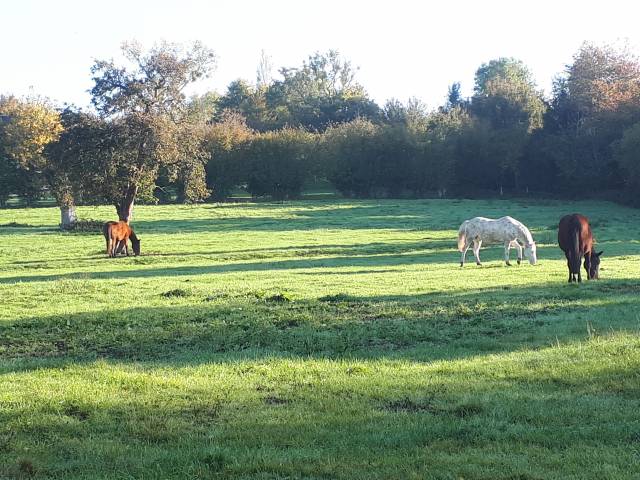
71	161
225	142
248	101
476	167
505	96
146	108
602	99
394	112
349	151
321	92
594	101
627	154
202	108
30	126
603	78
264	75
440	151
454	96
279	163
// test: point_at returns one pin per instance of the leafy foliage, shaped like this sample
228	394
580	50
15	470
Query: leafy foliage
627	154
279	163
148	118
149	142
225	142
30	125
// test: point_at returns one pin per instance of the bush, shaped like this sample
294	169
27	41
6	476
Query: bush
226	143
279	163
369	160
626	153
87	226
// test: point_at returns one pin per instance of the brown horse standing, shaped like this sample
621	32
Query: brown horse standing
576	240
116	235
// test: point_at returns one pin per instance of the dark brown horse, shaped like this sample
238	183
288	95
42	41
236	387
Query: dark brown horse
116	235
576	241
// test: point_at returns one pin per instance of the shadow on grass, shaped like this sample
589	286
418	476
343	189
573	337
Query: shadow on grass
422	328
24	229
464	422
429	215
363	255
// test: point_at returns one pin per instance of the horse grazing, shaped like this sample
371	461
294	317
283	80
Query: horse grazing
116	235
576	240
505	230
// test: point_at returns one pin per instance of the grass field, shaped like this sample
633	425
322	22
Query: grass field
325	339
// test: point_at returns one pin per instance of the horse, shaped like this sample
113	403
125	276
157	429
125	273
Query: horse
576	240
505	230
116	235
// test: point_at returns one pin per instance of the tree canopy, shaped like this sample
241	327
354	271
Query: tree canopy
146	140
146	112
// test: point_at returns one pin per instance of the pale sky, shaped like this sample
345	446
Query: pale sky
403	48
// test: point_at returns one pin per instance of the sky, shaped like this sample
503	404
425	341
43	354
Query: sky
402	48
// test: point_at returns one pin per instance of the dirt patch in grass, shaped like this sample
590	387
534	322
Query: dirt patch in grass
411	406
176	293
275	400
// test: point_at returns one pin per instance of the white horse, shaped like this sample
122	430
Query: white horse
505	230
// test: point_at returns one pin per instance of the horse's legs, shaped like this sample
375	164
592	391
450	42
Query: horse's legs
110	247
579	263
126	247
579	275
476	250
519	248
463	257
507	247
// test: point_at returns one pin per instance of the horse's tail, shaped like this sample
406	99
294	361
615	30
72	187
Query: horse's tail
105	229
576	251
462	237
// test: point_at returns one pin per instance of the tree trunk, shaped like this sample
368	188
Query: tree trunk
125	207
68	217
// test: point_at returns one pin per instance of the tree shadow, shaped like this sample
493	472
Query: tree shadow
358	255
344	215
24	229
305	421
422	328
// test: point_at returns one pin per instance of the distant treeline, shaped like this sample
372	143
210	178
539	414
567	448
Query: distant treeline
147	141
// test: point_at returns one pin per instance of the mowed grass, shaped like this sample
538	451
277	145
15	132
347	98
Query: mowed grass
324	339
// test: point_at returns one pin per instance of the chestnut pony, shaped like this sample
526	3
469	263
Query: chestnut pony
116	235
576	240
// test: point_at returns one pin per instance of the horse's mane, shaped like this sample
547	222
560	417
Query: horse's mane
525	232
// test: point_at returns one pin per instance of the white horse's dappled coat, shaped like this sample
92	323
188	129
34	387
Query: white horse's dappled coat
505	230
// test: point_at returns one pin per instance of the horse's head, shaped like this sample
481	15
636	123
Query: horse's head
592	265
530	253
135	243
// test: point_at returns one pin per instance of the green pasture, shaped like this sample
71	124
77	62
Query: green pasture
318	340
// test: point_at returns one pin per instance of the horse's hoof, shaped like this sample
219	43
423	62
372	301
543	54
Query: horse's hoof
508	264
461	264
519	262
479	264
